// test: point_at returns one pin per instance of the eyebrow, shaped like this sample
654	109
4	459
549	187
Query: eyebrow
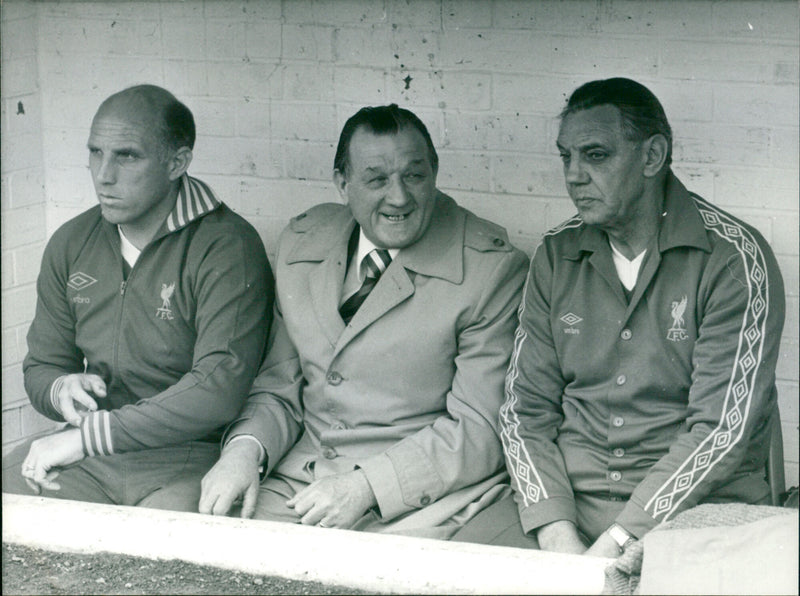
121	149
589	145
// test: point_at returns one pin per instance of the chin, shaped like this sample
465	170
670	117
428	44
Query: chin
111	216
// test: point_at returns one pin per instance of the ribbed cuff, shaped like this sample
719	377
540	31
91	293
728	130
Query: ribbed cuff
54	390
96	434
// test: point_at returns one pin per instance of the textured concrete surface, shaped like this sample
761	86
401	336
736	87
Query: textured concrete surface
370	562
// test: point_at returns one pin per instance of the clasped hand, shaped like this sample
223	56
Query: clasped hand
73	396
562	536
337	501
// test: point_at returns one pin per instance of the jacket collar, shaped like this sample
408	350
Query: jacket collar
195	199
681	225
439	253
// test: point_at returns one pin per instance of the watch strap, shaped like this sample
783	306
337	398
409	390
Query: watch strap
621	536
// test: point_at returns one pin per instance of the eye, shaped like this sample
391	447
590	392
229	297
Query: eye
376	181
414	177
564	157
596	155
127	156
94	151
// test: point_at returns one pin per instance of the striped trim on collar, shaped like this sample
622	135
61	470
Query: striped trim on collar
195	199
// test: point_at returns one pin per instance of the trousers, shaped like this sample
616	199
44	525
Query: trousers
499	523
164	478
439	520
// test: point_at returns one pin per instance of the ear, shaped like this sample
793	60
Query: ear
179	163
655	154
340	181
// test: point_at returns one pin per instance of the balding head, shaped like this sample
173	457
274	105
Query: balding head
155	109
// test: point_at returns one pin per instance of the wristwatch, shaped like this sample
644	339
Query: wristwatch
621	536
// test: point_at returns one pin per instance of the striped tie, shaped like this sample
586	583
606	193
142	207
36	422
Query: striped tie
372	266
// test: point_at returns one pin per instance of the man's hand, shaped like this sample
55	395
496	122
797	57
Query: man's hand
59	449
233	476
334	501
604	546
73	391
561	537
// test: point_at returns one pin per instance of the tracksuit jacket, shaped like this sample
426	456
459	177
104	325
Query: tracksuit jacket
662	400
177	341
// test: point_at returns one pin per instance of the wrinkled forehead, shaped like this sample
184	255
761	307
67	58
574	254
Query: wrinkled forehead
368	147
599	123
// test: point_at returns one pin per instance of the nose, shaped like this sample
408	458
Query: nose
105	171
574	172
397	194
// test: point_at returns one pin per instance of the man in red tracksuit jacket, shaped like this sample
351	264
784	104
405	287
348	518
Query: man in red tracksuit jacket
150	324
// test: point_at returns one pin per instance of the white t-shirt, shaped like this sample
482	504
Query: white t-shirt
129	252
627	270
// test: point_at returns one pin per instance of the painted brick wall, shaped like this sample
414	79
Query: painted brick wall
272	82
22	209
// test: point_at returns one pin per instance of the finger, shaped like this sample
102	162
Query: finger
48	483
78	394
301	496
207	499
313	517
95	384
69	413
301	504
224	503
33	486
250	498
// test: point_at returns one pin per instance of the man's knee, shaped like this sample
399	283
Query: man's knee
180	495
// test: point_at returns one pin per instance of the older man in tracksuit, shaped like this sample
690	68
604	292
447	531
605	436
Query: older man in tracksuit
643	375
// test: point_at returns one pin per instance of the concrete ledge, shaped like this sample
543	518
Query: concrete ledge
372	562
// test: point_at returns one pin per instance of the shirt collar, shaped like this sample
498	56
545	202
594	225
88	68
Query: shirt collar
365	246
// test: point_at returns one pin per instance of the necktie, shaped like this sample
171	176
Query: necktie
372	266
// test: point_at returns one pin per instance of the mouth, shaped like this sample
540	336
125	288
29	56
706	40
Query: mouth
396	217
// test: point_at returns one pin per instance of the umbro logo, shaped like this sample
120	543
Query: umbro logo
80	281
571	319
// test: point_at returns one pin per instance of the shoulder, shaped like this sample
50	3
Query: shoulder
318	216
726	231
488	249
562	240
738	247
76	232
483	235
225	223
566	233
